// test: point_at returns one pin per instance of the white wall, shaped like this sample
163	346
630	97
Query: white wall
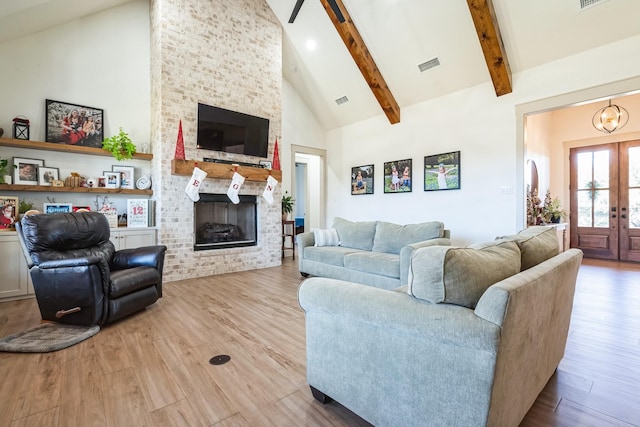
483	128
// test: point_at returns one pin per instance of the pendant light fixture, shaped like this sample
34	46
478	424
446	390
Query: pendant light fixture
610	118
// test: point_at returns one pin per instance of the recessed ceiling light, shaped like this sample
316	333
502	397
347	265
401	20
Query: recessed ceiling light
311	44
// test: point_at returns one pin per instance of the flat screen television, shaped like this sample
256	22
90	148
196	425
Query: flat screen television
232	132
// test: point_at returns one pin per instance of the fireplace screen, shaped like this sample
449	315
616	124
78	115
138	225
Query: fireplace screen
219	223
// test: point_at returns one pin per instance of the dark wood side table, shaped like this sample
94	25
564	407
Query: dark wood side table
289	230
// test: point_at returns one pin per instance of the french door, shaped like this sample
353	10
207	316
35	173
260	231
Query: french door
605	200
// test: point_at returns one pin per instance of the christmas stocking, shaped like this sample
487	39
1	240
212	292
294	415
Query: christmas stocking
268	191
234	188
194	183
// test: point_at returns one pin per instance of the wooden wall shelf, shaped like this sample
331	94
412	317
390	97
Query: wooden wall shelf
50	189
50	146
223	170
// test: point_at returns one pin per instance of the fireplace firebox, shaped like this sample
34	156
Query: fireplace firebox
221	224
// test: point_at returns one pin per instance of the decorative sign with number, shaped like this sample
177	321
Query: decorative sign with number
137	213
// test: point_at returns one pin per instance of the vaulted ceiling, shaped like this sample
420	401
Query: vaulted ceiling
399	35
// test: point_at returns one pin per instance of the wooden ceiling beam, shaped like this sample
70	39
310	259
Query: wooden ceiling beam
486	23
360	54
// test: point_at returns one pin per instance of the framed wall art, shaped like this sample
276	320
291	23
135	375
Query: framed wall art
8	213
26	170
127	178
47	175
442	171
50	208
73	124
397	176
362	179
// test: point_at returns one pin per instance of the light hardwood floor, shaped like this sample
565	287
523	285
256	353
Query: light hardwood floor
152	369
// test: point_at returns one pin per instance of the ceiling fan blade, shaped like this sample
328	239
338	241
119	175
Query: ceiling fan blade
336	10
296	9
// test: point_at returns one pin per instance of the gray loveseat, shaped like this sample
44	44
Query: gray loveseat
470	341
375	253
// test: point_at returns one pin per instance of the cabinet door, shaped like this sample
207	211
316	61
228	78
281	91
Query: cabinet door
13	272
127	239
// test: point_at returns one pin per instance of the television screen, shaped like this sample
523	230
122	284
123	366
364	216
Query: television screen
232	132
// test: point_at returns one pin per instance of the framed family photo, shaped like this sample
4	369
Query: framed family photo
442	171
74	124
26	170
47	175
362	180
397	176
127	178
112	179
8	213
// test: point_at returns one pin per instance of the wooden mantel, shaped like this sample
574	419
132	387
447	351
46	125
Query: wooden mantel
223	170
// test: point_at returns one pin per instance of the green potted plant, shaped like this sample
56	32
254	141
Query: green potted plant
287	205
120	146
3	171
552	211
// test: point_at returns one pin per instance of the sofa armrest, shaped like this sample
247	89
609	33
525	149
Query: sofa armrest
145	256
407	251
304	240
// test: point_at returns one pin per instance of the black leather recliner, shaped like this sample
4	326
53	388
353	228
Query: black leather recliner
78	276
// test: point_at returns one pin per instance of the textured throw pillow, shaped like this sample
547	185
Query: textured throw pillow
356	235
537	244
325	237
445	274
391	238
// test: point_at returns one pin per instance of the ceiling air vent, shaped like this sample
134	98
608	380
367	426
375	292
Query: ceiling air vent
584	4
429	64
342	100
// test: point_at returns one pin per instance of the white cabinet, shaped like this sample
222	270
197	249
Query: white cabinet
128	238
14	277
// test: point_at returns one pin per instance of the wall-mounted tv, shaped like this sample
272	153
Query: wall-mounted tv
232	132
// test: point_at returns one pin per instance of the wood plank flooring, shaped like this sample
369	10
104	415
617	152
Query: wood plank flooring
152	369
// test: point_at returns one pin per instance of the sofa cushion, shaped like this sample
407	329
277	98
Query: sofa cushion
357	235
325	237
537	244
379	263
445	274
333	255
391	238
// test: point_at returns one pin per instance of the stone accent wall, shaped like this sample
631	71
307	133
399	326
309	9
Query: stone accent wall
222	53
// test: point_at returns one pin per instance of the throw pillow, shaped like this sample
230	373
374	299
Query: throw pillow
537	244
356	235
325	237
445	274
391	238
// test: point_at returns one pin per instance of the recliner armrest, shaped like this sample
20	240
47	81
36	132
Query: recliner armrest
70	262
144	256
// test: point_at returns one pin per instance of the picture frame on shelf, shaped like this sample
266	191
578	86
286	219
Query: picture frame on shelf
102	182
81	208
137	213
398	176
362	179
50	208
442	171
127	176
8	213
47	175
73	124
266	164
26	170
112	179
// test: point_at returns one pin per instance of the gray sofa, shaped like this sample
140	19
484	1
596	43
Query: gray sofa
375	253
470	341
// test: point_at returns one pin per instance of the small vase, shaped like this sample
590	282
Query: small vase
285	216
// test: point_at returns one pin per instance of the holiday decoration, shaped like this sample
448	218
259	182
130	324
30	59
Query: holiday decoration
234	188
180	144
268	191
194	183
276	157
20	128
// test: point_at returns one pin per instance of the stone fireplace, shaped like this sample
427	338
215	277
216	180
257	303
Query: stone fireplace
221	224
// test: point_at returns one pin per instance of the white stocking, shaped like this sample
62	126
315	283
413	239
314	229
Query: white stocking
194	183
268	191
234	188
